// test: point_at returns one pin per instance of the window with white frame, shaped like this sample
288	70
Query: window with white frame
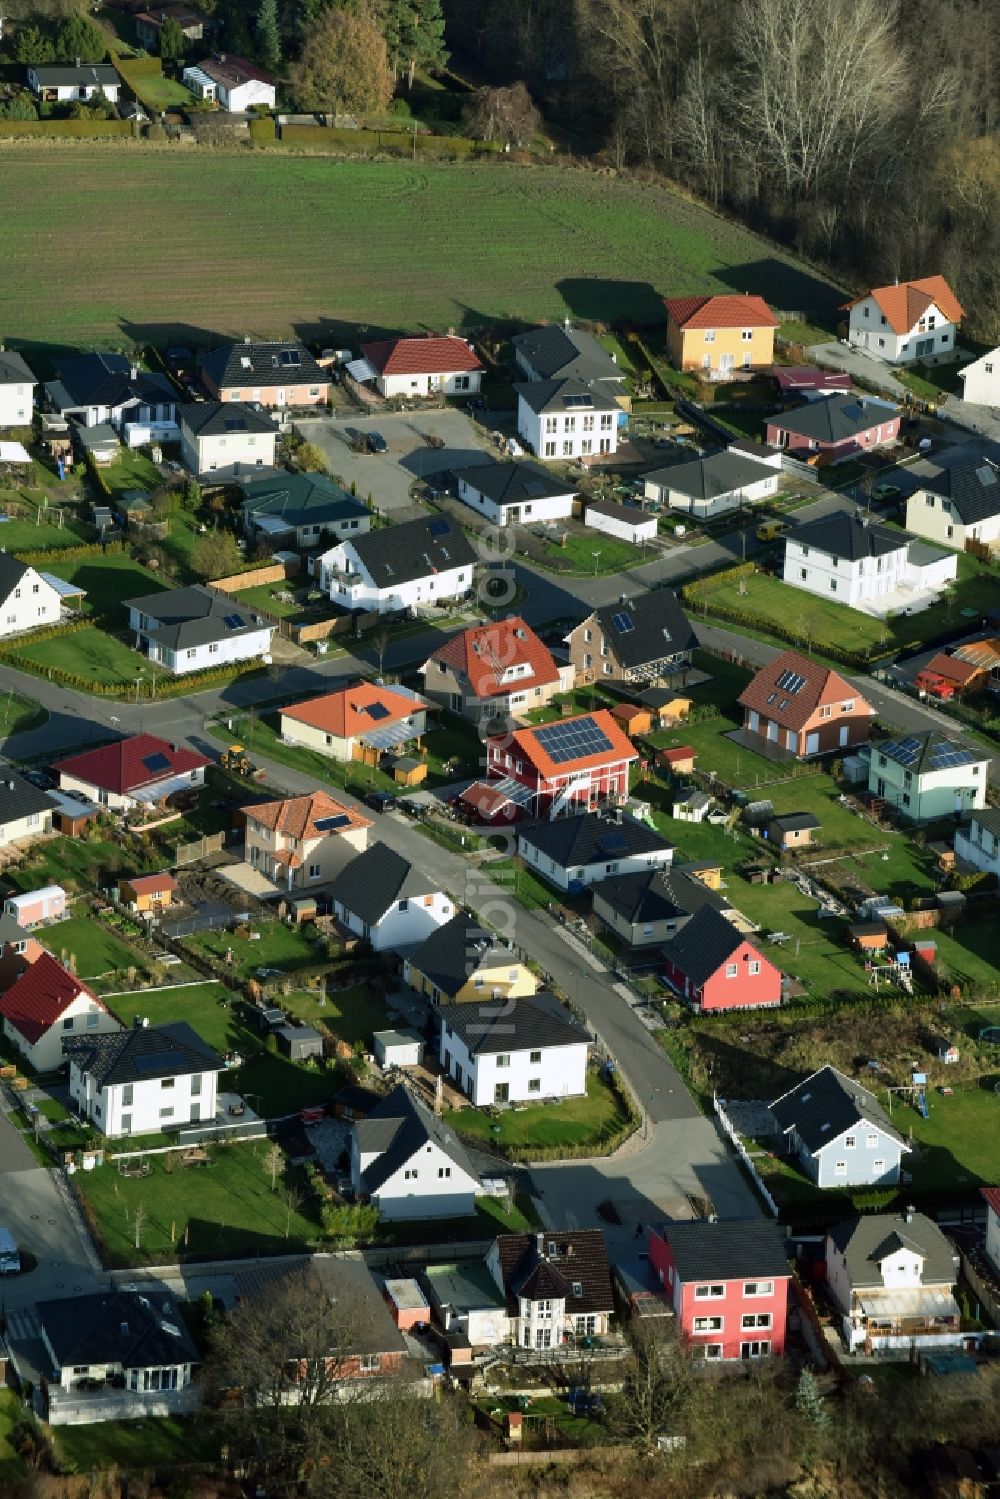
753	968
758	1288
732	969
707	1324
709	1292
751	1320
840	1168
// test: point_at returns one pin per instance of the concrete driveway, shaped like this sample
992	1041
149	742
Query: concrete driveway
859	366
387	477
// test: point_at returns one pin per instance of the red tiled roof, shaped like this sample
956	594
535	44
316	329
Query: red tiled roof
992	1195
953	668
620	746
483	652
121	767
672	756
486	801
299	815
721	312
150	884
903	304
821	685
347	714
36	1000
421	356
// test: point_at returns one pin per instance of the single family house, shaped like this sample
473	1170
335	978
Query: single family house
301	510
648	909
25	811
716	336
926	776
498	670
275	373
382	898
729	1283
977	840
839	1132
224	440
515	493
411	1164
362	722
717	483
46	1007
145	1080
804	708
416	367
573	852
135	772
503	1051
853	561
958	505
907	322
892	1278
715	967
233	83
981	380
303	840
149	23
566	419
109	389
559	351
61	83
557	1287
566	766
636	641
463	962
834	428
17	391
197	628
415	563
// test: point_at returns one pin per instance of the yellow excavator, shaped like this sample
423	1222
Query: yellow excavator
236	760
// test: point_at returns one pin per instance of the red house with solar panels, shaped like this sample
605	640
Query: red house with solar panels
133	772
572	765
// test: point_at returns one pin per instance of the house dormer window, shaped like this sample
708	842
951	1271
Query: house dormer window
577	1288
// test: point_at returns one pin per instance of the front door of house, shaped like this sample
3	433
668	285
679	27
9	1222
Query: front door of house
726	363
501	1092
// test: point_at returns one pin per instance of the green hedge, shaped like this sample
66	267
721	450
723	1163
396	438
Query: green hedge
71	554
262	129
395	142
66	127
166	687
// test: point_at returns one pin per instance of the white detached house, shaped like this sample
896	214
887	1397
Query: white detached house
410	1164
399	567
46	1007
28	600
981	380
514	1050
146	1080
382	898
906	323
232	82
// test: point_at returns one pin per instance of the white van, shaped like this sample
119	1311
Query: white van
10	1260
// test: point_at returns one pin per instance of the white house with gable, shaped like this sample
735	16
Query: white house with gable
412	565
232	82
864	565
410	1164
513	1050
908	322
382	898
17	391
981	380
146	1080
977	842
892	1278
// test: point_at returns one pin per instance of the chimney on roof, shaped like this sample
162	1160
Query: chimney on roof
567	324
246	336
79	62
908	1212
540	1245
133	372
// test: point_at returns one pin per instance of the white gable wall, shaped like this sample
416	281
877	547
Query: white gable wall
145	1107
548	507
558	1072
869	329
31	605
350	585
84	1017
981	380
17	404
429	1185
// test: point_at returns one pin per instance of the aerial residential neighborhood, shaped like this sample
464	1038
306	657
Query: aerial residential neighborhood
499	751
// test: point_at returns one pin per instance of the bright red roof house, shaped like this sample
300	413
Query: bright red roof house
48	1005
433	365
132	771
492	670
569	765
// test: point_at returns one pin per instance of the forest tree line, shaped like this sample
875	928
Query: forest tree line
864	133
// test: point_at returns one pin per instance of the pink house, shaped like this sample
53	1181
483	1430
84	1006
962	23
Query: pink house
714	967
729	1285
834	428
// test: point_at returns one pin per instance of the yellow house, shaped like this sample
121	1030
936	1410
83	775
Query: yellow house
148	892
719	335
462	961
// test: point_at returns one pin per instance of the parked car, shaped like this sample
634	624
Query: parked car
934	685
377	443
40	779
380	801
886	492
770	530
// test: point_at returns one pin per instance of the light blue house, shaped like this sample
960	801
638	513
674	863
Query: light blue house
839	1132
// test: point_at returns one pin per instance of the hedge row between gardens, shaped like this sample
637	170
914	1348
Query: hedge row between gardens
66	127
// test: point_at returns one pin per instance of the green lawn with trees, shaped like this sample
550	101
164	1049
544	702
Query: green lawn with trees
549	243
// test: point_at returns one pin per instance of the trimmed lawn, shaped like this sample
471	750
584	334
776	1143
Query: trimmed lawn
572	1121
225	1206
131	470
577	555
18	714
205	1007
97	949
970	956
263	596
108	580
156	1442
958	1143
12	1469
278	946
581	700
91	655
805	333
27	535
514	875
349	1014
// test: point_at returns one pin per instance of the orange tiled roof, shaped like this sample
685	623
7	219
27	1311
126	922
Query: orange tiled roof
820	685
721	312
902	305
484	652
620	746
298	816
346	714
445	355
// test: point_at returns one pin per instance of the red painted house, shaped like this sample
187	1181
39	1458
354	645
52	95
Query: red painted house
570	765
715	967
729	1284
835	427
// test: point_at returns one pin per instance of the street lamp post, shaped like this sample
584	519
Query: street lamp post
597	557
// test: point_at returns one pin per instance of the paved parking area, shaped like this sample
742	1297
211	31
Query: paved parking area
387	477
859	365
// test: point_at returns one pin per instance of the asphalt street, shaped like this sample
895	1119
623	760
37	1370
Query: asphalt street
57	1260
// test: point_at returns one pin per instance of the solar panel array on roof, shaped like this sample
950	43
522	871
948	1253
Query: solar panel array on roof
572	741
623	623
155	762
377	710
612	843
234	622
331	824
791	681
944	755
156	1061
438	526
290	356
573	403
905	751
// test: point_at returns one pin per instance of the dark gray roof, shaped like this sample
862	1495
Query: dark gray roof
867	1240
631	515
194	616
144	1052
370	884
301	500
827	1103
397	1128
18	798
558	352
927	751
398	554
657	895
846	534
13	370
216	418
792	822
11	930
107	379
747	1249
647	628
521	1025
279	362
138	1331
590	838
833	419
972	488
564	395
87	73
514	483
714	475
553	1264
452	954
988	818
703	944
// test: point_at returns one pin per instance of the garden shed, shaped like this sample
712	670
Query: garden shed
403	1048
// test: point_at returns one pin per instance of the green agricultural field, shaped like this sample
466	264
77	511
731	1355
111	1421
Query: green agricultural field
548	243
